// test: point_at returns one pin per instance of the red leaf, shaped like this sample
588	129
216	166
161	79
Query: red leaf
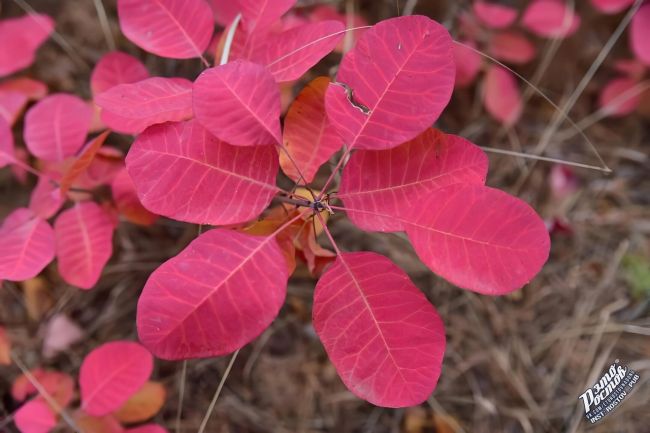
131	108
479	238
550	19
46	198
308	138
403	71
12	104
389	182
630	67
214	297
108	162
259	15
35	417
27	245
7	150
501	95
224	11
112	373
288	55
640	34
494	15
383	336
59	386
468	63
182	172
611	6
127	202
248	112
147	428
84	243
620	96
512	46
56	127
81	164
178	29
116	68
33	89
20	38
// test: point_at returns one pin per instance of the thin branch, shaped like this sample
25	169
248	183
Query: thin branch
582	85
230	36
544	158
103	22
181	396
334	172
204	423
546	98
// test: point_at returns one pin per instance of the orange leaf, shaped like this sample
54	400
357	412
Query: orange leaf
37	296
142	405
82	162
5	347
102	424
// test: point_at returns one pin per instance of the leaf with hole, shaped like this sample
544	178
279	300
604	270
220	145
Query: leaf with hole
395	83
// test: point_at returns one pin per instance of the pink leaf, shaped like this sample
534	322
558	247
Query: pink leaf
27	245
468	63
12	104
630	67
402	70
383	336
389	182
479	238
214	297
116	68
84	243
127	201
182	172
147	428
308	138
259	15
248	112
46	198
288	55
112	373
7	151
494	15
56	126
640	34
620	97
20	38
512	47
131	108
611	6
178	29
550	19
329	12
60	334
35	416
501	95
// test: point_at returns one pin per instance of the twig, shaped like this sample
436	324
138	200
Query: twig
204	423
103	21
